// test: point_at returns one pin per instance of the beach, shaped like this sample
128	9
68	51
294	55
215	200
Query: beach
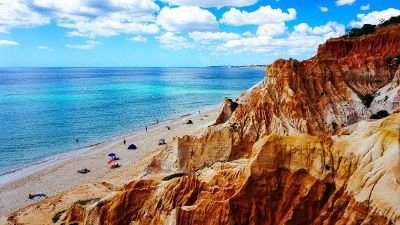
58	174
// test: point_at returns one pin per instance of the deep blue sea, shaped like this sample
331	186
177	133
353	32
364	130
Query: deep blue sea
44	110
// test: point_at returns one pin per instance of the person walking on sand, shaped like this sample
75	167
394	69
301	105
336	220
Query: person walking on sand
124	142
146	128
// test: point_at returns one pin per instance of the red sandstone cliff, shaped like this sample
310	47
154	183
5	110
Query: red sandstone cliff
297	149
318	96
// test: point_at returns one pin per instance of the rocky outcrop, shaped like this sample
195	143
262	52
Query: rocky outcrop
297	179
369	62
298	148
348	81
227	110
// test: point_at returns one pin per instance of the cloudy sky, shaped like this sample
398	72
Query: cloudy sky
175	32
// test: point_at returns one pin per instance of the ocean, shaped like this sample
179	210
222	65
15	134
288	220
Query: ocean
44	110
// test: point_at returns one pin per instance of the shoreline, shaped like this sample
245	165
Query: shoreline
57	174
21	172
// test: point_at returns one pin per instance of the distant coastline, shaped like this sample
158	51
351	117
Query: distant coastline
253	66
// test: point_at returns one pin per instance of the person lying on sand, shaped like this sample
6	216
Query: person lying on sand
115	166
37	195
84	170
162	142
115	158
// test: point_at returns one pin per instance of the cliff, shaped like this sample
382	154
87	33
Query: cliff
318	96
298	148
296	179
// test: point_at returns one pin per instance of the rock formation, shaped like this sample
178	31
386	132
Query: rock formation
298	148
227	110
296	179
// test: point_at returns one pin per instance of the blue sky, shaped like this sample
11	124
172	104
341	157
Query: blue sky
35	33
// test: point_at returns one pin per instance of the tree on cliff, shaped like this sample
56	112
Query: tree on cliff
369	28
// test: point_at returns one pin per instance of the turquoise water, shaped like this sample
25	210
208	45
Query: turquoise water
44	110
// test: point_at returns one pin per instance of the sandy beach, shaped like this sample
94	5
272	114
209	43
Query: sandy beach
59	174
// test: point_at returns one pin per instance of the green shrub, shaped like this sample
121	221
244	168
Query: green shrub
357	32
379	115
369	28
57	216
175	175
88	201
392	20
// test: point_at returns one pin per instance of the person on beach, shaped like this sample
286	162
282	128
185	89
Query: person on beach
124	142
146	128
39	194
157	121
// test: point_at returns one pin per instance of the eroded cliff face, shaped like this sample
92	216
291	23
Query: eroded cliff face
369	62
296	179
297	149
318	96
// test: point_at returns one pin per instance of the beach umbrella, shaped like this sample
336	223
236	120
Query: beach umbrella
112	154
132	146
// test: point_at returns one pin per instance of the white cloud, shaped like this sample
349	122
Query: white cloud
14	13
71	9
329	30
171	41
213	36
247	34
43	47
272	29
263	15
301	40
323	8
212	3
302	28
365	7
187	18
138	39
88	45
108	26
344	2
86	18
374	17
250	44
8	43
307	39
